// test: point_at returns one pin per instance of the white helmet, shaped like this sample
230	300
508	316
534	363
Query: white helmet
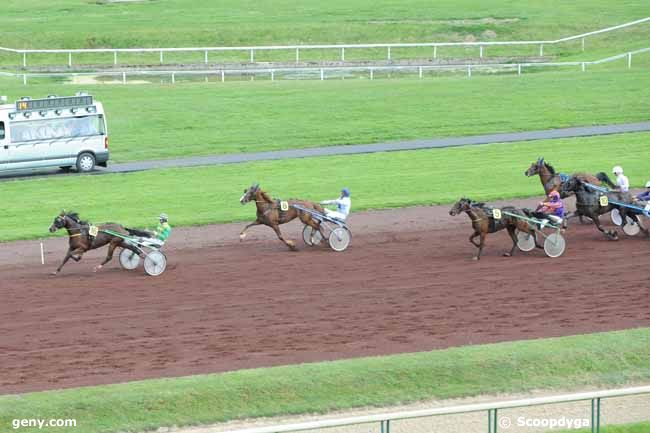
617	170
647	184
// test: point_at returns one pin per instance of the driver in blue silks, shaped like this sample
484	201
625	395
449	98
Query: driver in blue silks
343	205
645	195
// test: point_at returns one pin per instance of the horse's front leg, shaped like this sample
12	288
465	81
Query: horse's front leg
242	234
109	255
291	244
474	236
480	247
612	234
68	255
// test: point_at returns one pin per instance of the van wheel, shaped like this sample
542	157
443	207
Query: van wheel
85	162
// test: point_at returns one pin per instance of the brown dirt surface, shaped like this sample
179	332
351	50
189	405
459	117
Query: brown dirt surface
407	283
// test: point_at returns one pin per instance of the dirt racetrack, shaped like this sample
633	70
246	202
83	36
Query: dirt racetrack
407	283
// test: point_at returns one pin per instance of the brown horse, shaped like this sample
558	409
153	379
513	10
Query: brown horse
270	213
483	222
552	181
80	238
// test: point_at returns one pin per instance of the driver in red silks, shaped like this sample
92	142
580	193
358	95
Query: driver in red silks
551	209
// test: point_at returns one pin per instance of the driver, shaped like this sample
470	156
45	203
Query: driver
645	195
621	180
551	210
343	205
164	229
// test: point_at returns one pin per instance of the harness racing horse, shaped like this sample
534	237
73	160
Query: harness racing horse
552	181
483	222
588	204
81	240
271	213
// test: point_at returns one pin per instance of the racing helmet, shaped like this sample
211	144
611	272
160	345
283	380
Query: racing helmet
554	194
617	170
345	192
163	217
647	184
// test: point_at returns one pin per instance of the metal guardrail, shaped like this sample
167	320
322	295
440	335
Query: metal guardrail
297	48
323	72
384	419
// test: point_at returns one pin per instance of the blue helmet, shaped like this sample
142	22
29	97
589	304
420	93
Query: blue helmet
345	192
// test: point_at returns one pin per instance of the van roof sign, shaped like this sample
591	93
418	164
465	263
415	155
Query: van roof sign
53	103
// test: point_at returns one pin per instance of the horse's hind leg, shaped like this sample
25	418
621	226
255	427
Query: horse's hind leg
474	236
613	234
513	236
291	244
109	255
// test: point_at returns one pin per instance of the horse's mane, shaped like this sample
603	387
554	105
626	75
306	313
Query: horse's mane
267	198
550	167
75	217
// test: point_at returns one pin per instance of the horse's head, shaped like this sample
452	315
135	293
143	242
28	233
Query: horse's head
535	167
249	194
59	222
462	205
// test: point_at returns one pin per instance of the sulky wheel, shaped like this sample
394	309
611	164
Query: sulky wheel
525	241
155	263
129	259
631	228
340	239
307	234
616	218
554	245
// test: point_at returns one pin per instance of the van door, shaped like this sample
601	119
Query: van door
4	145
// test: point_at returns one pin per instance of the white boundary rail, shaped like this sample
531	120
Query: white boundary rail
384	419
342	47
323	72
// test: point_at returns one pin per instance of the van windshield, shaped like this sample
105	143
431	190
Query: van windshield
50	129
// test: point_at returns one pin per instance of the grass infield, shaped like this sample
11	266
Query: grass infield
604	360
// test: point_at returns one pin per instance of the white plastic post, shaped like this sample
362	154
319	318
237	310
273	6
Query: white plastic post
24	79
343	54
582	66
297	55
252	56
435	51
42	255
115	57
69	58
469	71
161	58
24	60
372	74
481	51
322	74
519	69
541	50
583	44
223	76
388	53
272	75
629	60
123	77
173	78
205	57
420	71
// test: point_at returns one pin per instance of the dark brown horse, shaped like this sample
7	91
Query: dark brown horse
483	222
270	213
81	239
552	181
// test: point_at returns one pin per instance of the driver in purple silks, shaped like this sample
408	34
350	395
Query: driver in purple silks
551	210
645	195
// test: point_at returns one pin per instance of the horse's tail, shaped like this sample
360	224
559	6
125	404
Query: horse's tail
602	176
136	232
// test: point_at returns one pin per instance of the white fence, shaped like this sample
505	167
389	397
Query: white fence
323	73
384	419
297	48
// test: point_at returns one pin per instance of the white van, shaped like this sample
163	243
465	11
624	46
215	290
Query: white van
53	132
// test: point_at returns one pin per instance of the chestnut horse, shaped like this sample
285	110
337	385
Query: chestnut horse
552	181
483	222
270	213
80	239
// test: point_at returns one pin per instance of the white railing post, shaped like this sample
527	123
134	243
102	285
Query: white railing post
24	59
115	57
161	58
322	74
205	57
372	74
583	44
343	54
223	76
252	56
389	53
582	66
629	60
420	71
272	75
123	77
541	50
24	79
481	51
173	78
519	69
297	55
469	71
435	51
69	59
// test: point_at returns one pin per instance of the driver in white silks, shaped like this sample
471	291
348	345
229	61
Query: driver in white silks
343	205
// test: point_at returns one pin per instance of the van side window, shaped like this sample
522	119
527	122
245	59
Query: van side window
52	129
2	130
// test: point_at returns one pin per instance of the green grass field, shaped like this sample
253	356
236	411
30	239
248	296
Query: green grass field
154	121
383	180
553	364
104	23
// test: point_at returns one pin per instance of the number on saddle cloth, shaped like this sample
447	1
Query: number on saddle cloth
93	231
604	200
284	205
